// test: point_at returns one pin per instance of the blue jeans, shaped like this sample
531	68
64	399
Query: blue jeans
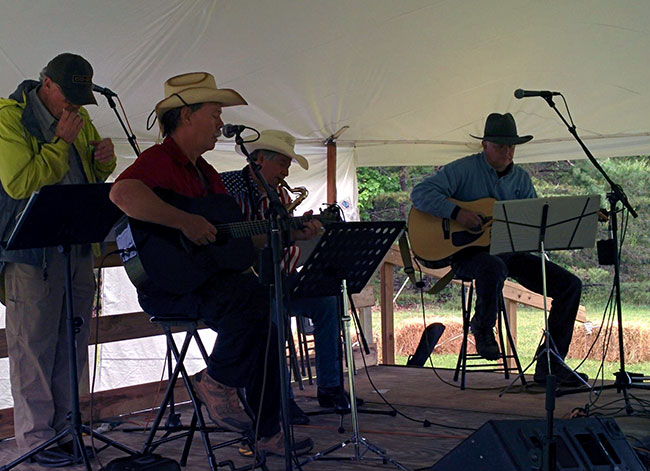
324	314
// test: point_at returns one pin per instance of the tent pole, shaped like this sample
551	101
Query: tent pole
331	171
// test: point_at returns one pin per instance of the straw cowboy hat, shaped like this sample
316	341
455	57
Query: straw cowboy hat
195	87
276	141
501	129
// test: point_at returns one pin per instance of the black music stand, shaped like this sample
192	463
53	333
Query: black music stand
538	225
61	216
341	264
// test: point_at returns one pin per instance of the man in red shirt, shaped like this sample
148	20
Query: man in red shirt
233	304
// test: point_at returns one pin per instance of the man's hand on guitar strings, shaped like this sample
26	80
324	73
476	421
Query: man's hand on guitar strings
198	229
471	220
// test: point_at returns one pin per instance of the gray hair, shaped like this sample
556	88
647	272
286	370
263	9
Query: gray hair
266	153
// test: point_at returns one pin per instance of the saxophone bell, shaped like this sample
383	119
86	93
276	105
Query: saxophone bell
301	191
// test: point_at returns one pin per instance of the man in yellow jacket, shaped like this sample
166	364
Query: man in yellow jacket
46	138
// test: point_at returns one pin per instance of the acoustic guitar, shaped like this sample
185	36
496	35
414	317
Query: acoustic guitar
435	239
158	257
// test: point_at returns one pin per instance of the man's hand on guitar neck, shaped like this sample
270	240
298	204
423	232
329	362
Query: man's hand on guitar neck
469	219
310	229
198	229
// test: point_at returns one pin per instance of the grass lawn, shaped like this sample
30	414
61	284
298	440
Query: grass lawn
530	323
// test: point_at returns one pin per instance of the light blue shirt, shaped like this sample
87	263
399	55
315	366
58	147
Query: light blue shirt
469	179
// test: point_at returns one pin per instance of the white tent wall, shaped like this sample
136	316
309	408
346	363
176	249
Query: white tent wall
411	78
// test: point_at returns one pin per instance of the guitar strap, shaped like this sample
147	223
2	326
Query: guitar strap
406	258
410	271
442	282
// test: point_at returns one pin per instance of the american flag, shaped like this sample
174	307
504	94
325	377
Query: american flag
254	204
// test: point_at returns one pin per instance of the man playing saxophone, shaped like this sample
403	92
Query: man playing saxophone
274	153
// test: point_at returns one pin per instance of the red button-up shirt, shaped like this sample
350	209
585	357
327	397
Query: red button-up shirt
165	166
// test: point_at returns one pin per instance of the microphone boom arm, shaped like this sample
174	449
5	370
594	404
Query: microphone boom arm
616	189
111	103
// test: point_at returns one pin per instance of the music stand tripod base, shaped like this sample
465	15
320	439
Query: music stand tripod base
342	263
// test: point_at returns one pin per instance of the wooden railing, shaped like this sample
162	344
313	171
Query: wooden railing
512	292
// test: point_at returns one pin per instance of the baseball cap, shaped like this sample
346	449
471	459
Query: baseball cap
74	75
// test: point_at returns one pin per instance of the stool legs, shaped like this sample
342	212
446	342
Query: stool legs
179	356
466	308
173	421
511	342
198	421
467	293
303	347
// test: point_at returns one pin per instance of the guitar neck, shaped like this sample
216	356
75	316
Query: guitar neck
237	230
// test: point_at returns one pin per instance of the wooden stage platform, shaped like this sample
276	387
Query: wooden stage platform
418	394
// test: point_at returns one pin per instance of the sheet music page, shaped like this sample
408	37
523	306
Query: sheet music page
571	224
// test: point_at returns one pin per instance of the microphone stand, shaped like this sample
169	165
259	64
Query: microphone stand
614	196
130	137
275	237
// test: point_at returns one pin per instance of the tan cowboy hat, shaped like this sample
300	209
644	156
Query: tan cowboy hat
276	141
195	87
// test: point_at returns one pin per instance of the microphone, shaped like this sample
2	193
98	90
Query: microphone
230	130
104	91
519	93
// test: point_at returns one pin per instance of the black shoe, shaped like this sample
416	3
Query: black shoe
55	457
296	414
486	344
68	447
565	376
335	397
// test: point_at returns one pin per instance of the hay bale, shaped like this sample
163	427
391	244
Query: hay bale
636	340
408	334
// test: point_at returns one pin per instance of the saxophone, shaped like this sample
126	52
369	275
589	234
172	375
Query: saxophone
301	191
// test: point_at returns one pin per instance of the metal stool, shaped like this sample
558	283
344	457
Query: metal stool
302	359
173	424
478	362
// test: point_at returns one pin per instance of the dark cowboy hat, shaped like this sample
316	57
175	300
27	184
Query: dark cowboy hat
501	129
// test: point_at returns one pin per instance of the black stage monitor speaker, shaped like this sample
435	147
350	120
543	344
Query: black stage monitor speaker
516	445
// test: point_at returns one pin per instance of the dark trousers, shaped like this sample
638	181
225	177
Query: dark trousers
236	306
490	272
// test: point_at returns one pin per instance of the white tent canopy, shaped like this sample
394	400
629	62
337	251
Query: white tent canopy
411	78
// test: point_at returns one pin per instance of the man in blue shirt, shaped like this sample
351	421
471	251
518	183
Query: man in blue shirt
492	173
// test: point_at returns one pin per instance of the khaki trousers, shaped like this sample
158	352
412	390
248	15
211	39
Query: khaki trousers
37	341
